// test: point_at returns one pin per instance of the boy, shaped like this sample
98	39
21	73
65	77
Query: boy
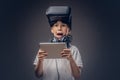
69	67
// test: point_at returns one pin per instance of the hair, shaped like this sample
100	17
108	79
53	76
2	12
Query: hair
63	19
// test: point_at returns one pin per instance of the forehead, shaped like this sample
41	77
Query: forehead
60	22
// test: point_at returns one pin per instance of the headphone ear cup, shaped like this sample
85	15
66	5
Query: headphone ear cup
65	39
51	40
68	38
55	40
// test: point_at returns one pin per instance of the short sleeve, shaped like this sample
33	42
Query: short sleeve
76	56
36	60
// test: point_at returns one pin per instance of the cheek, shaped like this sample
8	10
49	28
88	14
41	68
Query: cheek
66	31
53	31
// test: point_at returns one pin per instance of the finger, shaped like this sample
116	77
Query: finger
67	53
64	55
66	50
42	53
41	50
45	54
42	56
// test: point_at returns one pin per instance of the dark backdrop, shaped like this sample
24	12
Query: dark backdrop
95	30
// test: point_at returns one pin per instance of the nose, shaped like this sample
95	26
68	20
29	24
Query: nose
59	27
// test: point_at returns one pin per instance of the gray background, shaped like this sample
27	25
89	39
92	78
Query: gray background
95	30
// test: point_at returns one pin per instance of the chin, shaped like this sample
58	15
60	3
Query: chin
59	37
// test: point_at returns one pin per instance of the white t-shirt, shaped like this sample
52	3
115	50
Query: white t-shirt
59	69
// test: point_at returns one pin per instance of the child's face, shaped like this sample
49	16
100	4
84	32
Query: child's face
60	29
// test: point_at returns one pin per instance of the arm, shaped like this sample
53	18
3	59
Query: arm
74	68
39	66
39	69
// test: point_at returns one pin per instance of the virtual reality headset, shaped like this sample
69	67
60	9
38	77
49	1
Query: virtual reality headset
59	13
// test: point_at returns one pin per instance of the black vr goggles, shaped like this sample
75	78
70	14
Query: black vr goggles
59	13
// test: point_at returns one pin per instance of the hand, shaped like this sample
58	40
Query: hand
42	55
66	53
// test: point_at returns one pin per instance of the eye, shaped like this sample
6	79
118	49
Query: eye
64	25
55	25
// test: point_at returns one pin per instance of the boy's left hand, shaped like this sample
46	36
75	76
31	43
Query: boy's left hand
66	53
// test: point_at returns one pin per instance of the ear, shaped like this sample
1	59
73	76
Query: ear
51	30
68	31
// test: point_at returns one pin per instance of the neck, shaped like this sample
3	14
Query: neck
65	39
60	39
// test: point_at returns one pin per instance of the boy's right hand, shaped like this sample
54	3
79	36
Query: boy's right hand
42	55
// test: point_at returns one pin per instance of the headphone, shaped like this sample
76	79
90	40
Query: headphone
67	39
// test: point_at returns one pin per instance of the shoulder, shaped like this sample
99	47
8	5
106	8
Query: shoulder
73	47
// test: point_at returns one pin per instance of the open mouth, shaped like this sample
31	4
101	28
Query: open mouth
60	34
